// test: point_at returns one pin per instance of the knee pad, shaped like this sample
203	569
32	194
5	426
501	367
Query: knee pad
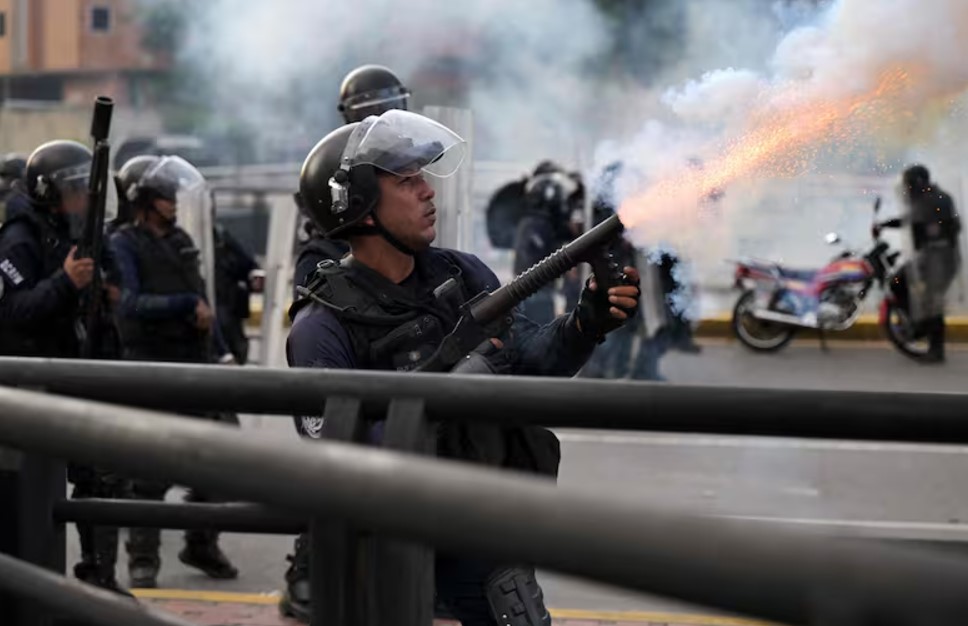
516	598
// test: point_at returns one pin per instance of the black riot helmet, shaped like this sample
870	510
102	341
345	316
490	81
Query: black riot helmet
916	179
338	184
12	168
126	181
55	169
371	90
129	176
554	192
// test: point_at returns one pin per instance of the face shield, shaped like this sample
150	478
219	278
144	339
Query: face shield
406	144
73	188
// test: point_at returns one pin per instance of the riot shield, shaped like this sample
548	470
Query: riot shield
652	302
455	221
196	215
504	211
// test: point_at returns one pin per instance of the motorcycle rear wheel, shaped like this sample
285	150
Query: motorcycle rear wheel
758	335
897	327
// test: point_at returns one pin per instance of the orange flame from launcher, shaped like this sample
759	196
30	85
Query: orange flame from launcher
779	142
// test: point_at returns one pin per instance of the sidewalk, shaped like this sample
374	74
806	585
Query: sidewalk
238	609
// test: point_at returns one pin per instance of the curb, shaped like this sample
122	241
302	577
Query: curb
719	327
867	328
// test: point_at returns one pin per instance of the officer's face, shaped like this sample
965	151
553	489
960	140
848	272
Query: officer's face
74	202
407	209
166	208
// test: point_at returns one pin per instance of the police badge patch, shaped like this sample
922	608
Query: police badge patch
11	271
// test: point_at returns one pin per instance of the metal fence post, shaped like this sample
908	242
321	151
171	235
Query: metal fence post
334	546
29	486
399	576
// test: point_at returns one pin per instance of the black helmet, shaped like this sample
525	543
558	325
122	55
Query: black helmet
553	191
916	178
338	184
130	175
55	168
371	90
12	166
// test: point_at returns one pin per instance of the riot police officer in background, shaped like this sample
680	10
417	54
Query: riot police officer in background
552	197
389	305
235	280
934	227
12	168
164	317
42	284
366	90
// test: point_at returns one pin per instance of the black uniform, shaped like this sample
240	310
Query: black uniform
233	265
160	287
39	309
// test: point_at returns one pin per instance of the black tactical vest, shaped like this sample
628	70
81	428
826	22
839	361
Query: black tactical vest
391	327
58	338
166	265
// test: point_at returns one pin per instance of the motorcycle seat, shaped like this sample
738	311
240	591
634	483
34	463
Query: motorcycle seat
794	274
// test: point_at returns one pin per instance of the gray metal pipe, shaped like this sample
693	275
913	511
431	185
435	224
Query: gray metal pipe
234	517
74	599
781	576
916	417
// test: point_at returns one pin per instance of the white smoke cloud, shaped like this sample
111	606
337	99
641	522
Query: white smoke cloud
279	64
804	62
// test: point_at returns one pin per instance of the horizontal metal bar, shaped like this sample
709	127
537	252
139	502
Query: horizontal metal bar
233	517
567	403
786	577
72	598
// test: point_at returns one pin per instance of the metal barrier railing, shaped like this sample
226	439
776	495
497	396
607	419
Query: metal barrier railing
781	576
567	403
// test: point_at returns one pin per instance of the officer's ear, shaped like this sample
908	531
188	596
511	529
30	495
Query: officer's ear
368	221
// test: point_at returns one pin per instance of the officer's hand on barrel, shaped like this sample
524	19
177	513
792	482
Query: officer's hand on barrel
203	316
624	296
79	271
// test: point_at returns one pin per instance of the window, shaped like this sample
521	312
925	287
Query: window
3	24
101	19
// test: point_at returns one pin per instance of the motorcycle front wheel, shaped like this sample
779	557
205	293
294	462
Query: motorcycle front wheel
758	335
900	331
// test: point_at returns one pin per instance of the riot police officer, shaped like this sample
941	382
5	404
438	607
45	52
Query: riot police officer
12	168
42	283
366	90
934	227
235	279
164	317
389	305
552	196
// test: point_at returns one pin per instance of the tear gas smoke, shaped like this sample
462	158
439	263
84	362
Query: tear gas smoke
853	87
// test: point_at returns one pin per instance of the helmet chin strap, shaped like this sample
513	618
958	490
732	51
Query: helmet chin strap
379	229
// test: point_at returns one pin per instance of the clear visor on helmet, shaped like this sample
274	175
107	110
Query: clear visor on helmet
406	144
171	177
378	97
77	179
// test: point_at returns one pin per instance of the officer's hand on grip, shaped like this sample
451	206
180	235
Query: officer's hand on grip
79	271
203	316
599	314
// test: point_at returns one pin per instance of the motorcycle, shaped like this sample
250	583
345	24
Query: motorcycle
777	302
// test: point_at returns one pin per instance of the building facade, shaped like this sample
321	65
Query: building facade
68	51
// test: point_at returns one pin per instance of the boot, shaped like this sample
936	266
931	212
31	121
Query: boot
295	602
99	554
143	560
202	552
936	335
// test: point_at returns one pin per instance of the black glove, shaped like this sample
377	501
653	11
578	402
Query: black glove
485	359
592	312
